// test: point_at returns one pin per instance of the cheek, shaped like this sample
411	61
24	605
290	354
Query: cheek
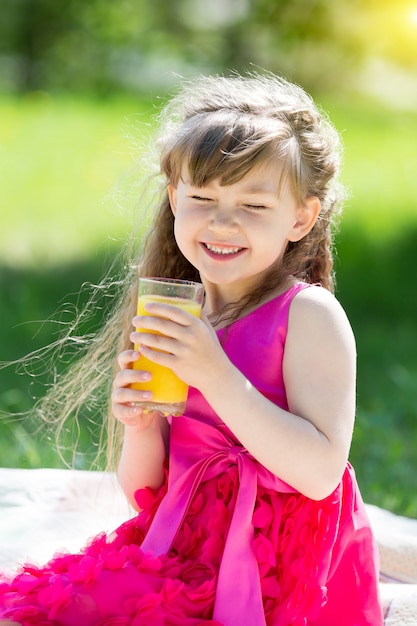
183	234
187	223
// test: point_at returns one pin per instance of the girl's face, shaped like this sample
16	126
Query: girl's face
233	233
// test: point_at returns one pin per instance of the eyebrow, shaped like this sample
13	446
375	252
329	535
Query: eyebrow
250	189
254	189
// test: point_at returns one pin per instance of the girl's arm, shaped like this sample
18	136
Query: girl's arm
146	436
306	446
142	458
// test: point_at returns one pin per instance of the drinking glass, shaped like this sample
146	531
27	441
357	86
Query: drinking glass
169	392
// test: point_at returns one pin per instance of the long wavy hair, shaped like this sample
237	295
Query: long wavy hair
220	127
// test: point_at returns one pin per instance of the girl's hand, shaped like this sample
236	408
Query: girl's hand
186	344
124	399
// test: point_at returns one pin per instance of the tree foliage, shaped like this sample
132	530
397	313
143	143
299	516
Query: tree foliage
102	44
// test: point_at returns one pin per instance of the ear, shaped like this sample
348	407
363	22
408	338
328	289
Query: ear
172	195
306	217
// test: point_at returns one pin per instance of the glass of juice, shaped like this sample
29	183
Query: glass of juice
169	391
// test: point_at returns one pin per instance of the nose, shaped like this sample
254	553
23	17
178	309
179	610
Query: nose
223	220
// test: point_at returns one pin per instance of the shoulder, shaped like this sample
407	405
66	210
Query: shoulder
314	310
314	296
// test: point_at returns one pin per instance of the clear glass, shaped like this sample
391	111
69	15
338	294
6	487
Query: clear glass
169	391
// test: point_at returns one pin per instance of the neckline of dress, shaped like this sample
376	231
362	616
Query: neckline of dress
297	285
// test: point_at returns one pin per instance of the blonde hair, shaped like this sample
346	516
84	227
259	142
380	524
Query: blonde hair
220	127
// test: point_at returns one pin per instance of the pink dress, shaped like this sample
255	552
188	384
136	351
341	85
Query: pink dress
224	541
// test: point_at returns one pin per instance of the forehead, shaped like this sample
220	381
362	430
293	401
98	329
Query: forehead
263	178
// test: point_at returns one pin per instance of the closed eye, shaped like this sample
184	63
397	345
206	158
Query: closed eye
255	207
201	198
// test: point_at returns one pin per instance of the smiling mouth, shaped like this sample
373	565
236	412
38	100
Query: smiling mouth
222	250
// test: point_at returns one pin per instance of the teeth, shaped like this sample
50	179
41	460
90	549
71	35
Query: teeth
218	250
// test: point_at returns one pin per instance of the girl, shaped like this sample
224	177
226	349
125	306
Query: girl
249	512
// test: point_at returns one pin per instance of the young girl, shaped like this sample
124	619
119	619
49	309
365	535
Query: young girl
249	512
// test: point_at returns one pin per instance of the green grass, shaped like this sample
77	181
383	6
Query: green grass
66	175
60	158
375	288
380	162
375	267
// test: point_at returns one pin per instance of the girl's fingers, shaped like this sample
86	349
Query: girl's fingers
166	312
128	415
125	400
127	377
126	405
127	357
169	321
133	416
150	339
127	395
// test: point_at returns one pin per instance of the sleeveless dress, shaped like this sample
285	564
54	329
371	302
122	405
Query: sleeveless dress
224	542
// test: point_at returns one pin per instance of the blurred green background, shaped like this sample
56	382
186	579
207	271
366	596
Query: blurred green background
79	83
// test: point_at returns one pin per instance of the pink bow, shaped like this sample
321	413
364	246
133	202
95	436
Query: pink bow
202	452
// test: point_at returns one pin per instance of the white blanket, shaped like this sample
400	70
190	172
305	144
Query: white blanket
47	510
43	511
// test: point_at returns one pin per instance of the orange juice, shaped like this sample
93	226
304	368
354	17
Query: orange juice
169	391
